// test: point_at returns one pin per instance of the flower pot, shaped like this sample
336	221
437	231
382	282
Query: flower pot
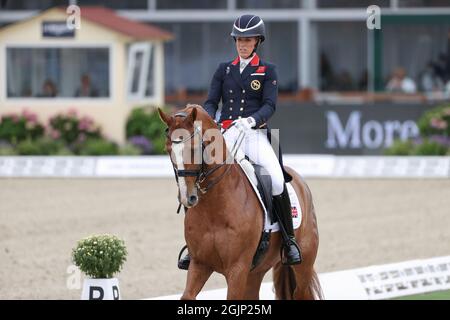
100	289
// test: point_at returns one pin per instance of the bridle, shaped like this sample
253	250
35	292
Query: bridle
203	172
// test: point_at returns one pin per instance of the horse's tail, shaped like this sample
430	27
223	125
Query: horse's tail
315	288
285	284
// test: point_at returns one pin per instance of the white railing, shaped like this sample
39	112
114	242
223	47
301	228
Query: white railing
315	166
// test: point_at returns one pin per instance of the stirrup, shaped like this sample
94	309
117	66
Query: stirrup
183	263
290	259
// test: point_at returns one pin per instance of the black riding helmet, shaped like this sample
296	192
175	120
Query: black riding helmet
249	25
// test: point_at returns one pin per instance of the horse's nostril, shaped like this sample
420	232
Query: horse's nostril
193	200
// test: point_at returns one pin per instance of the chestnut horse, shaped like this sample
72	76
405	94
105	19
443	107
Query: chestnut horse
224	219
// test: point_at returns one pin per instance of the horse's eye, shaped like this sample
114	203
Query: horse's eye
167	132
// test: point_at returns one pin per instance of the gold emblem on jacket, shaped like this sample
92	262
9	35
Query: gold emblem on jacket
255	84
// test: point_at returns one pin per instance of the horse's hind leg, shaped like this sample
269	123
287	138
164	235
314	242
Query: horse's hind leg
196	279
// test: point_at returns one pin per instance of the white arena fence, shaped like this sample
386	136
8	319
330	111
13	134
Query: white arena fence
370	283
316	166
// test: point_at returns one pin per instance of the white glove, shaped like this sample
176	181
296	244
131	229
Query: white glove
244	124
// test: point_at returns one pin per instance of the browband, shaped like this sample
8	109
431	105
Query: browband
181	114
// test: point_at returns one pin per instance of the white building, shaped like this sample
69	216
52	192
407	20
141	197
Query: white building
103	69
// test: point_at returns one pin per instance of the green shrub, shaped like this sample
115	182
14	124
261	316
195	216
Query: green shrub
430	148
15	128
71	129
129	150
420	147
100	256
97	147
146	122
28	148
64	151
159	145
43	146
7	149
400	148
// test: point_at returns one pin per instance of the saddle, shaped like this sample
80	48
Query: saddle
259	178
265	191
262	185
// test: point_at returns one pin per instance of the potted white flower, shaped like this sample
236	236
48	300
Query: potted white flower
100	257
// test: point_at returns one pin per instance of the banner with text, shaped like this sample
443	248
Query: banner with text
363	129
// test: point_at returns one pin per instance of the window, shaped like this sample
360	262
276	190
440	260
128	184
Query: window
422	51
116	4
149	82
57	72
351	3
198	48
423	3
141	83
194	56
267	4
191	4
281	49
195	53
33	5
342	56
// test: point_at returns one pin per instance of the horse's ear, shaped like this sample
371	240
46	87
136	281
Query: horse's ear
192	116
164	117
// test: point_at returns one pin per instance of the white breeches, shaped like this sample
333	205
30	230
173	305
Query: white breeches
257	147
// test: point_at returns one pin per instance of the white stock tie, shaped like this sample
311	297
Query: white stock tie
242	66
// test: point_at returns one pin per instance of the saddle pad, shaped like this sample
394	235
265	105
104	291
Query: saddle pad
249	171
295	209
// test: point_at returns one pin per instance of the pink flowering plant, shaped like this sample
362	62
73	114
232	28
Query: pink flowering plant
15	128
434	126
72	129
436	122
66	134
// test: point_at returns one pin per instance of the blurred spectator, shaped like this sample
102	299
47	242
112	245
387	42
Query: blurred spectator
399	82
447	90
442	67
429	81
344	81
48	89
326	72
86	89
363	82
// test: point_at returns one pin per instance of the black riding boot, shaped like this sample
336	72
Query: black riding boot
282	205
183	263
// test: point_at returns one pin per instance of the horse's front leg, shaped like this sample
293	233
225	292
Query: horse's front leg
197	276
237	277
